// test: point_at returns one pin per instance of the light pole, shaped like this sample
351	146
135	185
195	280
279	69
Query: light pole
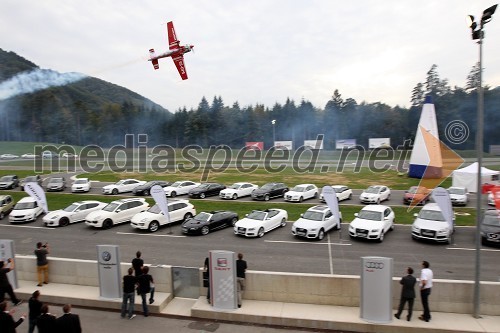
274	131
478	33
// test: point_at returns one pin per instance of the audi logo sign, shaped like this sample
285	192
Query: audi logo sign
374	265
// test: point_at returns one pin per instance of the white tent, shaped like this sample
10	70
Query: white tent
467	177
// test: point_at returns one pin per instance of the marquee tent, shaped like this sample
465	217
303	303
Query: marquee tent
467	177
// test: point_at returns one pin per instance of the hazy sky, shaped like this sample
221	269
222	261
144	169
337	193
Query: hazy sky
259	51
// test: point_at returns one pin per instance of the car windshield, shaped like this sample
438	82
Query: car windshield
372	189
370	215
71	208
415	190
176	184
155	209
236	186
314	216
267	187
203	186
30	179
492	220
454	190
56	180
338	189
120	182
257	215
202	217
110	207
25	205
299	189
433	215
6	179
149	184
81	181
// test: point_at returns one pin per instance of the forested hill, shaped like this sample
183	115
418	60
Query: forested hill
44	105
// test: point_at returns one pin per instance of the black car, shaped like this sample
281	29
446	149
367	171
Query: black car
490	228
270	190
9	181
56	184
146	188
205	222
31	179
206	190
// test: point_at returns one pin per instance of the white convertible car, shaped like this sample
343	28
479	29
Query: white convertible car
258	222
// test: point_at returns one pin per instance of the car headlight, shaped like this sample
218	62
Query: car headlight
351	227
375	230
415	228
144	220
314	229
54	217
442	231
251	229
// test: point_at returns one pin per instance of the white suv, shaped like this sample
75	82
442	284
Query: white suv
153	218
26	210
118	211
431	224
315	222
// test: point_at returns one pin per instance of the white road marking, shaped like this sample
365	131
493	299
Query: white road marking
470	249
312	243
150	235
25	226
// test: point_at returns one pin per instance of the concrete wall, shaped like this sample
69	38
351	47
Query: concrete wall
343	290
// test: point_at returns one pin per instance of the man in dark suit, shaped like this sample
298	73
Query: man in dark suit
46	322
407	293
7	323
68	322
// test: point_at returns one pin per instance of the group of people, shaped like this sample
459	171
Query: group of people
137	280
41	318
408	283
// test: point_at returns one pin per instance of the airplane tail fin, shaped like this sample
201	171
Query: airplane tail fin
152	58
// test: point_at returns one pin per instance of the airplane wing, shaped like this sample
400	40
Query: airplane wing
152	55
173	42
179	63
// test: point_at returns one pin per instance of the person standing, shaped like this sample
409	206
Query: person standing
5	286
146	285
241	267
35	307
137	263
68	322
129	285
42	264
46	322
7	322
426	277
407	293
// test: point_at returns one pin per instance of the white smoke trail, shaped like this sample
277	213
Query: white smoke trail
38	79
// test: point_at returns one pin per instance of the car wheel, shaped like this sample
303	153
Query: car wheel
64	221
378	202
301	199
381	238
233	221
321	234
108	223
205	230
483	241
115	191
187	216
266	197
2	215
146	192
316	195
261	232
349	197
173	194
202	195
153	226
283	223
235	196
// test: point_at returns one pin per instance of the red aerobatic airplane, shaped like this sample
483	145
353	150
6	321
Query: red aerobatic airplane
176	52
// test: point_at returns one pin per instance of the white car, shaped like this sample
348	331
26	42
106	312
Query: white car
238	190
116	212
76	212
180	187
29	156
81	185
258	222
375	194
26	210
458	195
153	218
315	222
302	192
8	156
342	192
372	222
121	186
431	224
